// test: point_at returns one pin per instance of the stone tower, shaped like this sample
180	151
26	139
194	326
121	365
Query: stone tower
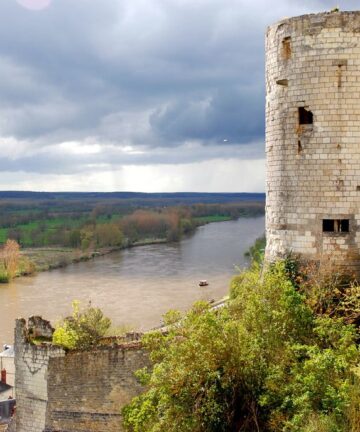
313	138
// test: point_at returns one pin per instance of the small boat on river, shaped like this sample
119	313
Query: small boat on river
203	282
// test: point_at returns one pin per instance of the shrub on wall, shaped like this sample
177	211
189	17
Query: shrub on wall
82	330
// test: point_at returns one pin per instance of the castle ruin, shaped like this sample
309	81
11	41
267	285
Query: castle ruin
313	138
73	391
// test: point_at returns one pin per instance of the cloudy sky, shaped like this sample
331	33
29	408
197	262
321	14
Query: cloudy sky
141	95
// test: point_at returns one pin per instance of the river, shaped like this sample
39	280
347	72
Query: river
136	286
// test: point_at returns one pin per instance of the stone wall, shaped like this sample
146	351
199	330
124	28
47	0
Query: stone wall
88	389
78	391
31	384
313	138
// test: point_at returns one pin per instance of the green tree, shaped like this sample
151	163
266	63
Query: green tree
265	362
83	329
108	235
75	238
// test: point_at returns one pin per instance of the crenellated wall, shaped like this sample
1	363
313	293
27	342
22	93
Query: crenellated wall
78	391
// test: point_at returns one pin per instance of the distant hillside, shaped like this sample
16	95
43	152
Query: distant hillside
135	197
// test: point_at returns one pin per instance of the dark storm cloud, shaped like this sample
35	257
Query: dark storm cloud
149	74
228	114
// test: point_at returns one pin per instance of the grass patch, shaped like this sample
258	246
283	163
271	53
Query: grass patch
209	219
3	235
45	226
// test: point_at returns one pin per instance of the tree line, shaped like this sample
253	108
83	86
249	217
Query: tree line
99	228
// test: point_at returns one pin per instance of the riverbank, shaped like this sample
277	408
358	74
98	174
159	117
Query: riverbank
51	258
34	260
136	286
41	259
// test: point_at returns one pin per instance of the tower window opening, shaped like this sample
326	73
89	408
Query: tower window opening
299	148
336	225
305	116
286	48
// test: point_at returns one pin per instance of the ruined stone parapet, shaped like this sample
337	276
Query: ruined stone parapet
74	391
40	328
313	138
31	383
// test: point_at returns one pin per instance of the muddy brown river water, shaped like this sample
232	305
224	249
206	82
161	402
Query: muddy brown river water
136	286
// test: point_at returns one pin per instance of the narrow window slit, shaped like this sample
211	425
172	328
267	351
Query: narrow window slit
286	48
299	147
339	76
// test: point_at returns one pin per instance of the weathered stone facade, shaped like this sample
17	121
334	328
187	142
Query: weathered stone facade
31	369
80	391
313	138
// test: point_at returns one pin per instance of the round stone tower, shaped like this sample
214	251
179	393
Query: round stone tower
313	138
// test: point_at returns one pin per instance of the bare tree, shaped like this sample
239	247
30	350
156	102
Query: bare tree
10	255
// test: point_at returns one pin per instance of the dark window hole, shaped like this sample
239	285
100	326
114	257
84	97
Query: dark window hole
305	116
336	225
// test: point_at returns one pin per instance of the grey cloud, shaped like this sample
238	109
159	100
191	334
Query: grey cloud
232	114
58	161
151	74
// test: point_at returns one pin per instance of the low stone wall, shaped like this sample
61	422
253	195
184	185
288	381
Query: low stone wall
88	389
78	391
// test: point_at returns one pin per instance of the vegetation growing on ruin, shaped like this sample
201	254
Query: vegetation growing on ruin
278	357
83	329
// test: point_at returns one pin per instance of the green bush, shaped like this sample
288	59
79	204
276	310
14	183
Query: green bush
264	362
82	330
